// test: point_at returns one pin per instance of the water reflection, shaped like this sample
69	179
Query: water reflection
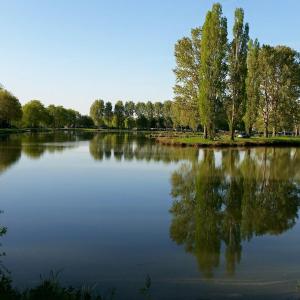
229	198
10	152
35	145
221	199
117	146
136	146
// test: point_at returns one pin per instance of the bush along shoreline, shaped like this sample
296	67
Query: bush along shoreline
51	289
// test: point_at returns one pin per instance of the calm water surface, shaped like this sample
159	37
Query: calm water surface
108	209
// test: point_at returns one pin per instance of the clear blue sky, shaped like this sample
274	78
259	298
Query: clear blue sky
71	52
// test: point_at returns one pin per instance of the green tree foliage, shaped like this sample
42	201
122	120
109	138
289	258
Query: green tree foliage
252	86
279	86
108	114
73	117
167	114
213	68
85	122
119	115
158	115
97	112
237	72
35	114
296	117
186	89
140	111
10	108
129	109
149	114
60	117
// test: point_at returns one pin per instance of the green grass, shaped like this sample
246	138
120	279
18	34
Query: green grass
225	141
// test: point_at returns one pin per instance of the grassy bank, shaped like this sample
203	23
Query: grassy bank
224	141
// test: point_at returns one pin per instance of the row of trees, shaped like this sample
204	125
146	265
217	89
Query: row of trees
126	115
236	84
132	115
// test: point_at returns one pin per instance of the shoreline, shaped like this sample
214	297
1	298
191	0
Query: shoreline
249	142
189	140
7	131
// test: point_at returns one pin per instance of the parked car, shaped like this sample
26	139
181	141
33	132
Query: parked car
243	135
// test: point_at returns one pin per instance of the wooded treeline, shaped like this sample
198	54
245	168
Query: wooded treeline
35	115
220	85
131	115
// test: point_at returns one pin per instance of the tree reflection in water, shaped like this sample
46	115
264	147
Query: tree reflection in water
244	194
10	152
34	145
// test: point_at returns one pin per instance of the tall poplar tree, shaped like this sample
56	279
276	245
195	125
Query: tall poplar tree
266	61
186	89
213	68
119	115
108	113
252	86
237	71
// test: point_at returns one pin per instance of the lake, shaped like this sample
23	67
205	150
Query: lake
108	210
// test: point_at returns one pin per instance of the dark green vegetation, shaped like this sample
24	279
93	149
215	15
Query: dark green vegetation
132	115
220	85
49	289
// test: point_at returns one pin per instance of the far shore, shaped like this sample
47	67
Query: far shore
40	130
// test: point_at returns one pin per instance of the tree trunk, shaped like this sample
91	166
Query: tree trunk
266	133
232	133
205	132
249	131
274	132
